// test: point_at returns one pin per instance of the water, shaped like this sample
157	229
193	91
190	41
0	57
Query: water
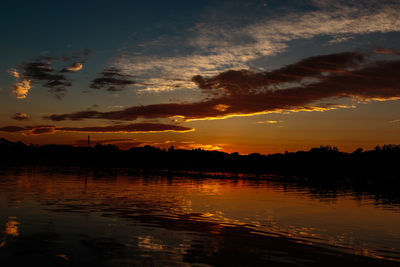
77	217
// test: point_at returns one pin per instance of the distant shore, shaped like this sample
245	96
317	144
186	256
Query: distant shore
324	162
375	172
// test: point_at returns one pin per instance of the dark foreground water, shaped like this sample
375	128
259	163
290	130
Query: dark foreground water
77	217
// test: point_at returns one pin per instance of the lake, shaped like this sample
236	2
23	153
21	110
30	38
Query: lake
121	218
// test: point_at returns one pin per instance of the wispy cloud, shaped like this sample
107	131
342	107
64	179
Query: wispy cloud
268	122
387	51
216	48
112	80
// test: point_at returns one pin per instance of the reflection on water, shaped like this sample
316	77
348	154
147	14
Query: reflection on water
117	218
11	227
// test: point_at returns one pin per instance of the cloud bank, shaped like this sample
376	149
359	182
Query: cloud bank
127	128
310	84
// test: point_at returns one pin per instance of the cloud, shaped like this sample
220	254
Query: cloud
21	117
387	51
305	85
14	73
245	81
112	80
40	70
43	71
127	128
12	129
76	66
29	130
22	88
340	39
214	48
269	122
221	107
40	131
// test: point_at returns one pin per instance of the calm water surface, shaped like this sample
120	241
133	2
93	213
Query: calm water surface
116	218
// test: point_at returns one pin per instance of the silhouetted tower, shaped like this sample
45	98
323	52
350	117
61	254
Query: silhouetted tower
88	140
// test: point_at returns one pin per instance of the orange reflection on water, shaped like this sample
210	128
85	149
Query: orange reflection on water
11	227
193	203
149	242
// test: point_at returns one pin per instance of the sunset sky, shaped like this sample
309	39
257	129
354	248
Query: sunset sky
247	76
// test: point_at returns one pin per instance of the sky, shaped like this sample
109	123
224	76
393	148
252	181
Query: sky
236	76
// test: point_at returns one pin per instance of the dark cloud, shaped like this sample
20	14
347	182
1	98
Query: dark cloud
74	116
336	76
20	117
40	70
127	128
29	130
12	129
245	81
41	130
112	80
